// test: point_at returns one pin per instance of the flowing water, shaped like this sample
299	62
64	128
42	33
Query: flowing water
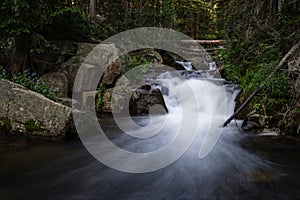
237	167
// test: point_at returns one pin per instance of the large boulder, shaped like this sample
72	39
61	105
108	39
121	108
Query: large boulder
28	113
141	101
145	101
93	55
71	66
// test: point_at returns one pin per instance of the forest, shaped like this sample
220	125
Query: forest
259	34
145	131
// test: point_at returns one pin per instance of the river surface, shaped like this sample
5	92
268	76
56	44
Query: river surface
41	170
231	165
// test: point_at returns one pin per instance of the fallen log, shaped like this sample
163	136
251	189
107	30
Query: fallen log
242	106
205	42
283	60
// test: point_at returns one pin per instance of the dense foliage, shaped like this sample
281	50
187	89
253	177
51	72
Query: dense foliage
192	17
260	34
27	28
31	81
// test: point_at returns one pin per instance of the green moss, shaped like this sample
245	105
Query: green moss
99	97
5	125
32	125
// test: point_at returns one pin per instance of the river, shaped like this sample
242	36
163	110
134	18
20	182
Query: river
239	166
42	170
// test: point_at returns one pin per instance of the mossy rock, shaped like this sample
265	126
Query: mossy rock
5	125
32	125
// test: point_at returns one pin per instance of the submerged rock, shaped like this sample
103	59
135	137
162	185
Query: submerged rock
31	114
143	102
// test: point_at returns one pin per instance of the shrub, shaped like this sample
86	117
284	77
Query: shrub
30	81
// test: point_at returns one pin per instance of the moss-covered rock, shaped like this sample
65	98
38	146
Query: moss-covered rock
28	113
5	125
32	125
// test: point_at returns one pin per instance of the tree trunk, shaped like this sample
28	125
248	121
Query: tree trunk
141	10
92	9
192	26
19	58
20	55
279	5
160	12
174	15
126	13
197	26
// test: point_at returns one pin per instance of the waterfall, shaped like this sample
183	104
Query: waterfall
197	103
198	174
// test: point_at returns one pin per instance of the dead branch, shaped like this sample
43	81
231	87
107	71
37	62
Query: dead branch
283	60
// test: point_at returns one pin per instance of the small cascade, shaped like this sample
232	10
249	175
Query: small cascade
203	171
187	65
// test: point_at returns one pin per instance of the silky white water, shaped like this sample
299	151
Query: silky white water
212	164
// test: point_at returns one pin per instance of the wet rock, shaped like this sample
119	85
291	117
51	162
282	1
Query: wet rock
152	56
122	101
169	57
254	122
107	105
111	74
32	114
143	102
177	66
116	100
